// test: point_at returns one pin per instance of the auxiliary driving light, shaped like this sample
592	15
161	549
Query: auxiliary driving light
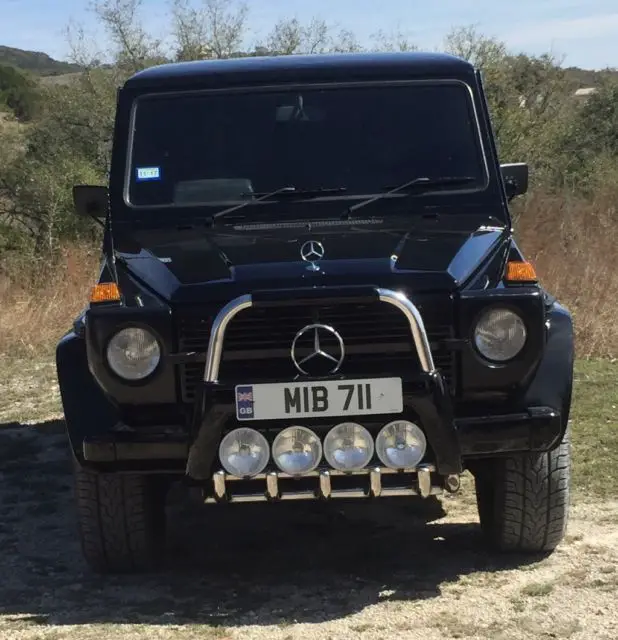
348	447
297	450
401	444
133	353
244	452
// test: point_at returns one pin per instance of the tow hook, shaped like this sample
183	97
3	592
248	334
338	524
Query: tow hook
452	483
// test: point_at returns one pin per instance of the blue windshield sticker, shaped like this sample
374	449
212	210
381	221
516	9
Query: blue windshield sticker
148	173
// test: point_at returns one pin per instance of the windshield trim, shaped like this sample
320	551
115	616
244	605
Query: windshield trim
297	87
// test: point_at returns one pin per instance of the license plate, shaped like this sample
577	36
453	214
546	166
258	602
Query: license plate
280	400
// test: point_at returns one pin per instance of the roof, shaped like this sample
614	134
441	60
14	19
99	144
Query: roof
316	67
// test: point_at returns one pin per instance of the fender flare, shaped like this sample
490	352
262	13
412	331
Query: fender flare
552	384
87	410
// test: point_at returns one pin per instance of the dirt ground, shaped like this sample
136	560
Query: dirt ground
391	569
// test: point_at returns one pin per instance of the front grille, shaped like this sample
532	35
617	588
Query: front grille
258	340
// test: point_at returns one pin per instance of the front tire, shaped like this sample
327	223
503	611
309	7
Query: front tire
523	500
121	520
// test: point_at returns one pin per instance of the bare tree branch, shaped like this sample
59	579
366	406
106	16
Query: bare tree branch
135	49
392	41
215	29
292	37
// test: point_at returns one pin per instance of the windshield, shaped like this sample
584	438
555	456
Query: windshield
214	148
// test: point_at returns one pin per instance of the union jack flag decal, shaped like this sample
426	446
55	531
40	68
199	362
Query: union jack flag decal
244	402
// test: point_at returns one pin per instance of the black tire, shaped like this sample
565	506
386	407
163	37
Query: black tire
121	520
523	500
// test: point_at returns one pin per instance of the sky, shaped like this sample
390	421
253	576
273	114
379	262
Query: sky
581	33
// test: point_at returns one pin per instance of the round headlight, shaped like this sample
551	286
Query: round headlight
401	444
244	452
133	353
297	450
348	447
500	335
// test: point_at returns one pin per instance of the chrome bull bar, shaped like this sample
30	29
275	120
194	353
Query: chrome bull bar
417	482
235	306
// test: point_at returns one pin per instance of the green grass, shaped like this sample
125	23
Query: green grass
537	589
594	423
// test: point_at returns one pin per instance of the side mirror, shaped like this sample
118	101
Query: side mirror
90	201
515	178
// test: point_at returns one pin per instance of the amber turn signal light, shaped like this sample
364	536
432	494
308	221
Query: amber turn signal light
105	292
520	272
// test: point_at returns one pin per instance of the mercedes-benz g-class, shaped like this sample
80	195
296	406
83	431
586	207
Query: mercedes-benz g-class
311	289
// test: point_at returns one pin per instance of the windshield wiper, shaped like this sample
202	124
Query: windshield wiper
293	191
281	192
415	185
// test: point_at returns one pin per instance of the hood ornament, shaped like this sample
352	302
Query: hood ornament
311	252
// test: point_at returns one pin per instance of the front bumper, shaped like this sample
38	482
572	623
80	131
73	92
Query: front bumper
538	429
325	484
452	440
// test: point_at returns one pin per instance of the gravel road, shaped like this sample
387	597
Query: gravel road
300	570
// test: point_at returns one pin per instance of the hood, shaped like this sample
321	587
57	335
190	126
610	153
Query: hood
192	264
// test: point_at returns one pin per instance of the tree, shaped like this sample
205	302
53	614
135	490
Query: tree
596	122
290	37
68	143
35	196
18	92
213	30
134	48
392	41
528	98
467	43
589	141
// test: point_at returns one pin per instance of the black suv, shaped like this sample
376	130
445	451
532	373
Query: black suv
311	290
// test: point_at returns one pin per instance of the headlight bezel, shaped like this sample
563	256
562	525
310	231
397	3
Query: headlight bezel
485	311
133	325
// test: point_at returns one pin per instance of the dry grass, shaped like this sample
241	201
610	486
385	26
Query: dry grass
40	299
570	241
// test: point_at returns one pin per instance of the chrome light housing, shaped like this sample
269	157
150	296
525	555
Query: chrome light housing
133	353
401	444
297	450
348	447
500	334
244	452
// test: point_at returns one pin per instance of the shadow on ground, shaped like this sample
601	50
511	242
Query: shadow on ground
230	566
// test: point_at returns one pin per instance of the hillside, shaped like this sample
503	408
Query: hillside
35	61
